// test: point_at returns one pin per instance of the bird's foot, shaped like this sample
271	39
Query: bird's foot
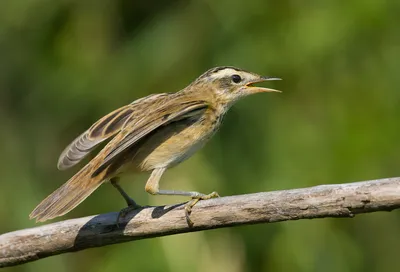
191	203
132	205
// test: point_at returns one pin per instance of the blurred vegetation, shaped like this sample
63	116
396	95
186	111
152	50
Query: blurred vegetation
64	64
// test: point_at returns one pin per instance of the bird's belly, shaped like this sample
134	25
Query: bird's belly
172	144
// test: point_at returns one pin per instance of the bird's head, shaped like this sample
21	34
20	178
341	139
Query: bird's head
230	83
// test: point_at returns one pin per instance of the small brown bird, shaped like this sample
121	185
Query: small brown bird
153	134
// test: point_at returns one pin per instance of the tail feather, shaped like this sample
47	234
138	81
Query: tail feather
68	196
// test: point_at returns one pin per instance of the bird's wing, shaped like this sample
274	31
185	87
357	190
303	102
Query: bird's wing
138	128
102	130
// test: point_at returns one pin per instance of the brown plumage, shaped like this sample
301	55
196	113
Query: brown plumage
151	134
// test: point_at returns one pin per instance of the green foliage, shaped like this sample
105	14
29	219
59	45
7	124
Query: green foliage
64	64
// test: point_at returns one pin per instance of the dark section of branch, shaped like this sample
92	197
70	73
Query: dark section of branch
344	200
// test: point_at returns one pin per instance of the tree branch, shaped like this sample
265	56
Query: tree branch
344	200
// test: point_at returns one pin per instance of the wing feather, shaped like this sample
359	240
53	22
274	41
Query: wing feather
103	129
140	127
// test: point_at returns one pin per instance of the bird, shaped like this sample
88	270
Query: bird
151	134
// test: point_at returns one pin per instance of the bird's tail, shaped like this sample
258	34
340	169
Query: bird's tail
68	196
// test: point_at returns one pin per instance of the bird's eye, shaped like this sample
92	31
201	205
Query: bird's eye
236	78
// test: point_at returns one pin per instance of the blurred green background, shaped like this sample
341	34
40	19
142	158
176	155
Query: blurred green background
64	64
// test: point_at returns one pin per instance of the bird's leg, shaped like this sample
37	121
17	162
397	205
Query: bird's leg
128	199
152	187
132	205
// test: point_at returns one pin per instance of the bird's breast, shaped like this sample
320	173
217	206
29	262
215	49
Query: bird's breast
176	141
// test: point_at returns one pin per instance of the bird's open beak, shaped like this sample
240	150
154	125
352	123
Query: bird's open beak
255	89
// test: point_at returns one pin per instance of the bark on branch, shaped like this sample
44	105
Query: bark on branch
343	200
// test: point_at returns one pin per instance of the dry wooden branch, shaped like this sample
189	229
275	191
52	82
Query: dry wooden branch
344	200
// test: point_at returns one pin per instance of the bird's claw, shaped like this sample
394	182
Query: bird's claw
122	213
191	203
